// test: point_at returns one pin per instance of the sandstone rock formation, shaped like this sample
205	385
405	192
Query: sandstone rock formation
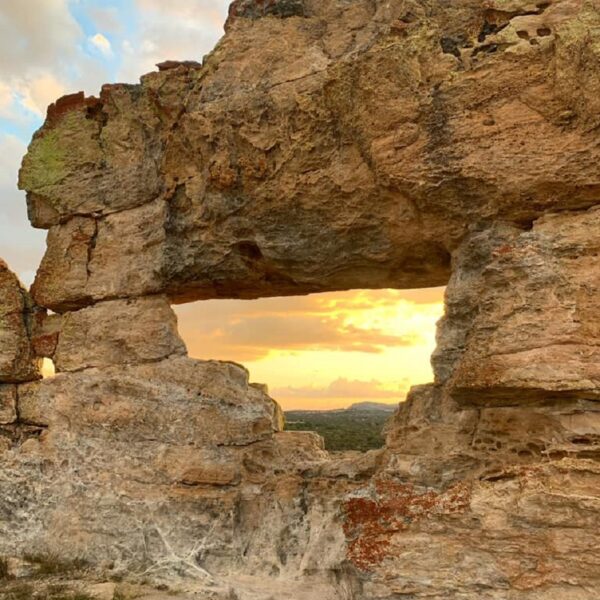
323	145
219	191
17	359
521	320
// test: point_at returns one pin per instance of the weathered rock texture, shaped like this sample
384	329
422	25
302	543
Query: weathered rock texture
323	145
352	146
17	359
522	317
117	332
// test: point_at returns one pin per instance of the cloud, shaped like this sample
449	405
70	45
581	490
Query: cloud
175	30
101	43
387	297
20	245
250	330
345	388
36	39
6	99
40	92
106	19
43	56
212	12
305	332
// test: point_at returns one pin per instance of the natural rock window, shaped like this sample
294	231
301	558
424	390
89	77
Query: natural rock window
323	146
48	368
338	363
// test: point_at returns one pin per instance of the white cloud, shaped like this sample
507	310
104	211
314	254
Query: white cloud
6	99
177	30
101	43
36	39
39	51
20	245
42	57
208	11
39	92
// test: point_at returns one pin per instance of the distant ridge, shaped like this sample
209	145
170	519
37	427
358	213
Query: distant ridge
359	406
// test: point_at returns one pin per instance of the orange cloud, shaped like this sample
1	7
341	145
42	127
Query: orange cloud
306	332
40	92
249	330
365	299
323	350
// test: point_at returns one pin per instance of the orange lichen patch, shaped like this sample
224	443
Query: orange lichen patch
45	345
222	174
254	168
371	522
506	249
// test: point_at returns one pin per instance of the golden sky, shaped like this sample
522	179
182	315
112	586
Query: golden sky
324	350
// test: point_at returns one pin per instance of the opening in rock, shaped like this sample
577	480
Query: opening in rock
337	363
48	369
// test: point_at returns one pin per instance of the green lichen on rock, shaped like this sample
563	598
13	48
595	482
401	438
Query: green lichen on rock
46	163
57	151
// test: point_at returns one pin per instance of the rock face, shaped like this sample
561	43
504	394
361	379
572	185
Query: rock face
17	359
522	313
274	173
140	442
255	9
323	145
117	332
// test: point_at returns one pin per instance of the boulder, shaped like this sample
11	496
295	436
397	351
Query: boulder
118	332
522	313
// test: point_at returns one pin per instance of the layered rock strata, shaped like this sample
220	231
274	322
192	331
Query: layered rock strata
320	146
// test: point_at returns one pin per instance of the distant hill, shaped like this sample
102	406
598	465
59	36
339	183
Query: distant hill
358	427
362	406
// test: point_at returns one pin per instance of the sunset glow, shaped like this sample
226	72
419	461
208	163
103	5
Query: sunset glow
48	368
325	350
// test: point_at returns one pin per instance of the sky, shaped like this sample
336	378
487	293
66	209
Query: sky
320	351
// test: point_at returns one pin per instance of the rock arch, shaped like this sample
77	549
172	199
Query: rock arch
321	146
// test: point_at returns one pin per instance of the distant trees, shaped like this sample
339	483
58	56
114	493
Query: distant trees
342	430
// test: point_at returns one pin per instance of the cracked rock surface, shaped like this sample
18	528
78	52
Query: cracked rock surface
353	146
322	145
